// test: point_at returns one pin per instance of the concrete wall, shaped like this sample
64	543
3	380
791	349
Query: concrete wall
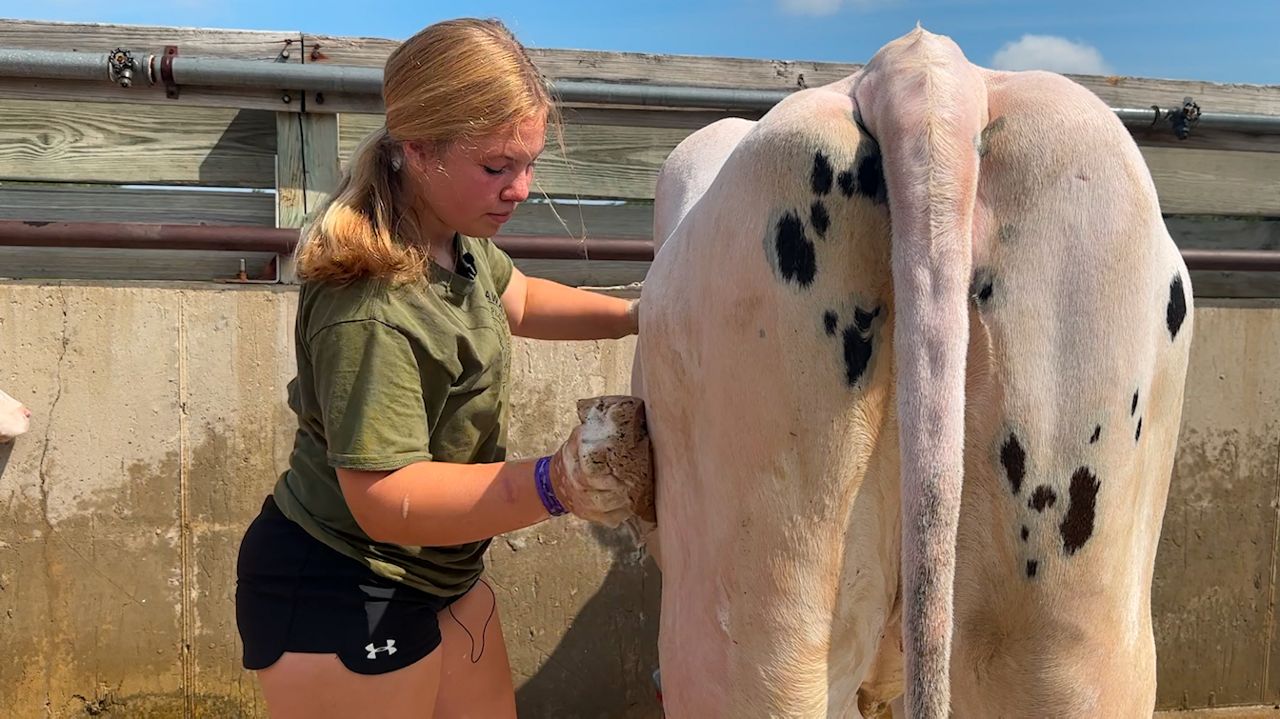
160	424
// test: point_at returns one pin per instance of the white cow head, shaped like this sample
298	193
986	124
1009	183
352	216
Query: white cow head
14	418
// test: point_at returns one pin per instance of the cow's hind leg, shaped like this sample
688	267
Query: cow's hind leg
767	369
1081	323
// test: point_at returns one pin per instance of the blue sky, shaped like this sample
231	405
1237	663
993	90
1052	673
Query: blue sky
1216	40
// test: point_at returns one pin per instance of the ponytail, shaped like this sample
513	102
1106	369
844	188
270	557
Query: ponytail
353	234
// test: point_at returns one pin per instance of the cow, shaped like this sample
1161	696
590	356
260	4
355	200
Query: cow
912	354
14	418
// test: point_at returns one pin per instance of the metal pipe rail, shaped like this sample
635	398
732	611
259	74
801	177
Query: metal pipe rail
240	238
279	240
121	67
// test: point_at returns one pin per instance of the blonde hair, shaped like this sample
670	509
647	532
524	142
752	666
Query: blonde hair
455	80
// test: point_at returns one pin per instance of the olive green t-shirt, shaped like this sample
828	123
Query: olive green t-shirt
389	375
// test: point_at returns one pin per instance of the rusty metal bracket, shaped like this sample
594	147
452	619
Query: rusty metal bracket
166	71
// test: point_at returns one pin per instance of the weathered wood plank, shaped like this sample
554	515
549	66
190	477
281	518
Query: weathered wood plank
623	161
1224	233
132	144
307	167
632	220
1211	284
582	273
105	37
307	170
1212	182
1117	91
113	264
51	203
1143	92
601	161
617	66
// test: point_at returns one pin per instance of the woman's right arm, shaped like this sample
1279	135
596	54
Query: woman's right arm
442	504
605	477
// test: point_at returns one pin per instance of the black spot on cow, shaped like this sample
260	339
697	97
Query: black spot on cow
983	285
1005	233
1043	497
1133	406
1077	525
819	218
1138	432
1025	533
822	174
862	319
871	177
1176	312
1032	567
796	259
1097	432
829	321
1014	460
984	138
857	353
846	182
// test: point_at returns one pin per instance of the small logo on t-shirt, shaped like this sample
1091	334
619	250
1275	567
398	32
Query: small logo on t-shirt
390	649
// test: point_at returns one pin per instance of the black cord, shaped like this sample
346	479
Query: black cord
475	658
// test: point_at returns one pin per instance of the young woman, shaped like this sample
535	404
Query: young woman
359	587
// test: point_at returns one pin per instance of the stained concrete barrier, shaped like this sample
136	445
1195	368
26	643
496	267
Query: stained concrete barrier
160	423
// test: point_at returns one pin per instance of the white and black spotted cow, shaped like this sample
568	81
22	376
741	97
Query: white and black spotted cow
15	418
913	354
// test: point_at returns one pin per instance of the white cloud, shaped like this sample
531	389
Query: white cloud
829	7
1047	52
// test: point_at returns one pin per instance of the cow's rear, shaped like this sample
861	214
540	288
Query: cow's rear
988	386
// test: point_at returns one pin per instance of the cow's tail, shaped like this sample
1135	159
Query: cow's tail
925	106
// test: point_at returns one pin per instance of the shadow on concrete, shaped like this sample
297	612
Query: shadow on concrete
6	450
603	666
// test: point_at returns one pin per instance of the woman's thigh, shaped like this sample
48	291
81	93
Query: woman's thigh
318	686
475	673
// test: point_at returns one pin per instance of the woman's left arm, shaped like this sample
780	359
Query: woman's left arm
545	310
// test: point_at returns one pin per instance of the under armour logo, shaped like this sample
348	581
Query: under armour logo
373	651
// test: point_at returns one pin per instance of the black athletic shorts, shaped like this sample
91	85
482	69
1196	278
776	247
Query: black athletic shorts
296	594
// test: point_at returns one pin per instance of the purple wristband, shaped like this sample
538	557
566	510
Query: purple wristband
542	479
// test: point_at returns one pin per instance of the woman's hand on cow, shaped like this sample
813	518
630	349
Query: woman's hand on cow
603	472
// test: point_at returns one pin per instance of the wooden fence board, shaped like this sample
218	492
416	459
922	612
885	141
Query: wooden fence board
52	203
130	144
